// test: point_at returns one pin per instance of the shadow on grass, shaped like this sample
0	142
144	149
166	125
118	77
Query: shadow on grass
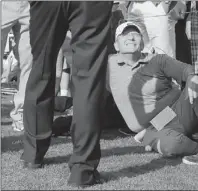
130	172
112	134
134	171
15	143
118	151
6	123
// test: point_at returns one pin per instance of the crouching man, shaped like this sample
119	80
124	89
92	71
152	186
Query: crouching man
164	117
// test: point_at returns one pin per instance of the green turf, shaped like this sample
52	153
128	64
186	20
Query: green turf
124	165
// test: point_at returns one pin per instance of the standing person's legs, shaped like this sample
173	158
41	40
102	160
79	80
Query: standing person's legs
47	32
22	39
90	34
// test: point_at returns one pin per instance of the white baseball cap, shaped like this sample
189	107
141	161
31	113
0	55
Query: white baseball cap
139	25
123	26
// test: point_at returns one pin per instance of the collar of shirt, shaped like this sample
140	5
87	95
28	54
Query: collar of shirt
145	58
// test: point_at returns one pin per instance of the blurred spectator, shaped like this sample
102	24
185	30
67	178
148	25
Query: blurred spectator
192	32
65	84
183	49
160	19
15	17
63	98
11	69
10	63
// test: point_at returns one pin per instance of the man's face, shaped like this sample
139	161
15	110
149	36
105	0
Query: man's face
129	41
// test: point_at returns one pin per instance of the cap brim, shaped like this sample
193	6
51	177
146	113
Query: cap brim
132	26
122	28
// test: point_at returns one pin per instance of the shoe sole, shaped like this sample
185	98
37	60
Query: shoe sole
125	133
188	162
136	140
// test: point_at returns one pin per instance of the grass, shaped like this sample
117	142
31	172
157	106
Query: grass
124	164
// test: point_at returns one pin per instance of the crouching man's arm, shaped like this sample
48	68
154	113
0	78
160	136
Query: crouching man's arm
175	69
181	72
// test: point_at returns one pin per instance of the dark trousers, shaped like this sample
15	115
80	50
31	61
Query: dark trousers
89	23
183	51
175	138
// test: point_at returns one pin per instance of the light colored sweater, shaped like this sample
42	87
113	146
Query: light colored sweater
141	92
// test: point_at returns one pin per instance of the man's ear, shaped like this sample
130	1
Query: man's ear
116	46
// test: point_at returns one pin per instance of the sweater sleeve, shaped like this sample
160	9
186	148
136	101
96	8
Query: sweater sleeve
175	69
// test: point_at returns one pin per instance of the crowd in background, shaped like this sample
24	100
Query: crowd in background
174	34
167	28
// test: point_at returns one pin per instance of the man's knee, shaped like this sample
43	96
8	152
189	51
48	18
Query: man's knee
169	142
170	148
176	144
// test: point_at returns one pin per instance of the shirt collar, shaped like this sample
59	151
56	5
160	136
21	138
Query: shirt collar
144	60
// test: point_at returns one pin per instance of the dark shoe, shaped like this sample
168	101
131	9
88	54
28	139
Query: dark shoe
191	160
61	126
126	131
94	181
30	165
